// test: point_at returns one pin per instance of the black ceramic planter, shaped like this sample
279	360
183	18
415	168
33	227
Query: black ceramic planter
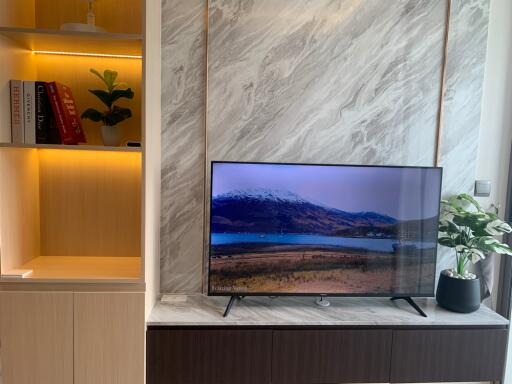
458	295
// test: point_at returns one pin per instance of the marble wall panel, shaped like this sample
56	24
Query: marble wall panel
324	81
339	81
183	144
467	46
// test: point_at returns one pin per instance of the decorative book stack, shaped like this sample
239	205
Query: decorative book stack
44	113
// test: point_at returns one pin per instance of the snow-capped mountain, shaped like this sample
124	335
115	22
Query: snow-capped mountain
278	211
276	195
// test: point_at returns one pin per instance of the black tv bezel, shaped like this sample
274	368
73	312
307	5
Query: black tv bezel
318	294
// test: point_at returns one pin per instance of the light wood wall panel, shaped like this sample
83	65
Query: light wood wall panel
19	207
17	13
74	72
90	203
109	338
123	16
36	330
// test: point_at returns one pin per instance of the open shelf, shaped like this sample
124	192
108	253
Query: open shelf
103	43
70	215
72	147
82	268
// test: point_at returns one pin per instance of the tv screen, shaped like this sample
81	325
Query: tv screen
336	230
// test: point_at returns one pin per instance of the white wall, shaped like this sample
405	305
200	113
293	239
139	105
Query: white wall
496	123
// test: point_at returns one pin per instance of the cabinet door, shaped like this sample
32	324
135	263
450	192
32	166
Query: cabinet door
36	335
203	356
109	338
331	356
451	355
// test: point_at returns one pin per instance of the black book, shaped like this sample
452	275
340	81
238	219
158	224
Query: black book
45	123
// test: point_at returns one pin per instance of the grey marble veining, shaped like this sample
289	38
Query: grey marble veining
324	81
183	144
467	44
200	310
347	81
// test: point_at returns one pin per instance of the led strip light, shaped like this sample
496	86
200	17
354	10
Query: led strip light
87	54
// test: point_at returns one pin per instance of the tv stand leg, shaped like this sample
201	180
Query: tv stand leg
230	304
411	303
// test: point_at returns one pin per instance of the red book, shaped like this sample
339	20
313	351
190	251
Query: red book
66	114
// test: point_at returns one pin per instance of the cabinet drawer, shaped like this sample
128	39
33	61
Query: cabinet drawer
208	356
331	356
448	355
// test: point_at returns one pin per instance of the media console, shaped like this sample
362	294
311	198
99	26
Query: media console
293	341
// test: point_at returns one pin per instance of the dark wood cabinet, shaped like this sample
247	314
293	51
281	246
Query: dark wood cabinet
209	356
448	355
305	355
331	356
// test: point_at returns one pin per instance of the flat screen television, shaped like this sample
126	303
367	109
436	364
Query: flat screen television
323	230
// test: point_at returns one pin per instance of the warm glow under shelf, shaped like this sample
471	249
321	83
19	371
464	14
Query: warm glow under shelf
72	147
80	268
73	42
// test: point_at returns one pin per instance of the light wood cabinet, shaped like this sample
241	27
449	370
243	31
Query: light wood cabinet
109	338
36	334
72	337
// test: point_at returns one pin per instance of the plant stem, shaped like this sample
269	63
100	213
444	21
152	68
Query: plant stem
461	263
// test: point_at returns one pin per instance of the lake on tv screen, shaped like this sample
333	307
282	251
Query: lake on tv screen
323	229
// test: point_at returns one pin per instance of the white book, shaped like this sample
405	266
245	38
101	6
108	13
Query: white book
17	116
29	105
17	274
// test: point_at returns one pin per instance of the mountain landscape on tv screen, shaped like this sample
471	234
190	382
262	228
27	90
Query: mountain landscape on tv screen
271	211
265	240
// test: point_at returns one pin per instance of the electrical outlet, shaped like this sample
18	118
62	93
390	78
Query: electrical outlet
173	298
482	188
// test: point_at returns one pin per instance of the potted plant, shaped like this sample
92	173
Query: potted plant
470	230
114	114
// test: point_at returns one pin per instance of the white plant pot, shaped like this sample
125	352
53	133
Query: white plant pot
111	136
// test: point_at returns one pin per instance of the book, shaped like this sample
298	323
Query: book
65	113
17	274
29	106
39	123
17	116
53	132
44	116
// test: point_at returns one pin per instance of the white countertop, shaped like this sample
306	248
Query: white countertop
200	310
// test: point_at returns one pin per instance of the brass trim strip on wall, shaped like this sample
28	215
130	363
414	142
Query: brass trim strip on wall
206	193
442	95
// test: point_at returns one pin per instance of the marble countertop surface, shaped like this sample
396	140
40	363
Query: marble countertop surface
201	310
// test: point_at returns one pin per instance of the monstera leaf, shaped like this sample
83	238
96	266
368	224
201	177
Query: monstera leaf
470	230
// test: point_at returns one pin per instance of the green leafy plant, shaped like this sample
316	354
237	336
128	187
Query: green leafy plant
466	227
114	114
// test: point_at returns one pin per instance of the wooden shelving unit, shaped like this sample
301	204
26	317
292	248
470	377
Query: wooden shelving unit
72	213
82	218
